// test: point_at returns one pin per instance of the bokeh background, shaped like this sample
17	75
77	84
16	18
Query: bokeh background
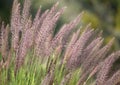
103	14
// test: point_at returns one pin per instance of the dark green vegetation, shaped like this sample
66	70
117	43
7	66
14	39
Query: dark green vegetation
31	54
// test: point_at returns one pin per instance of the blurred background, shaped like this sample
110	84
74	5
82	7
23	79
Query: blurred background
103	14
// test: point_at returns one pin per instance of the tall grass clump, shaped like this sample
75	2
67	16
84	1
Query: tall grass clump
31	54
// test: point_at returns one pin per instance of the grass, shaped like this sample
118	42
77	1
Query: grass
33	72
34	55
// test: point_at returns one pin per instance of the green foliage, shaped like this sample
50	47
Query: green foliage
33	72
